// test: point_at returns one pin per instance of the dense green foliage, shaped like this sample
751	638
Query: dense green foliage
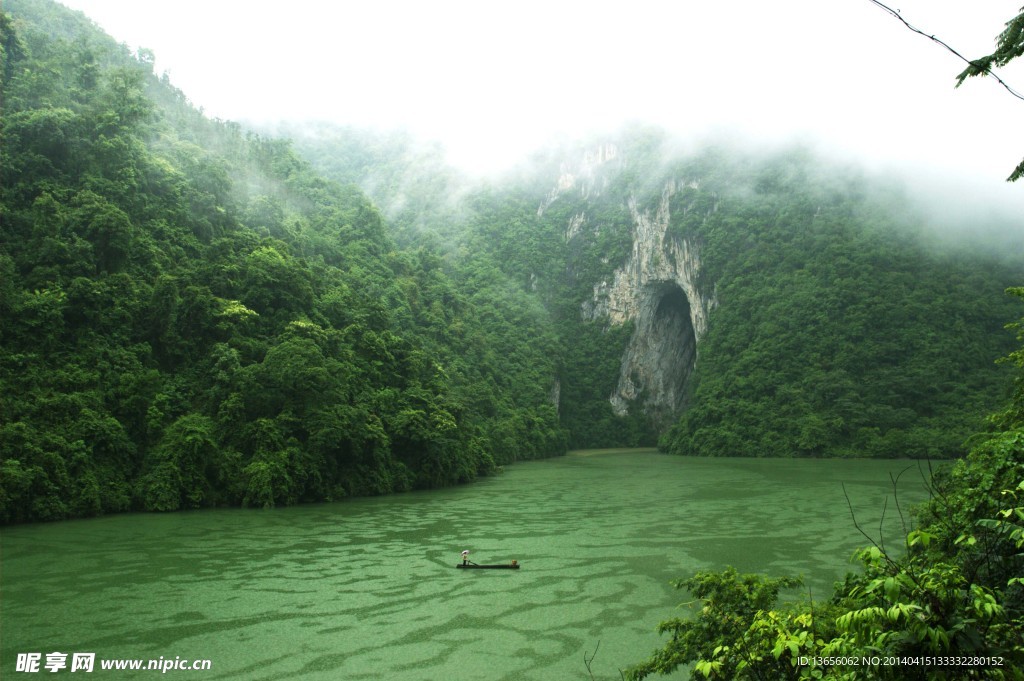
192	316
496	224
842	329
415	188
957	592
844	326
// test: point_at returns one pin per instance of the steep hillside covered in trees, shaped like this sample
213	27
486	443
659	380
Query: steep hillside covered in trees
195	314
947	602
843	322
192	316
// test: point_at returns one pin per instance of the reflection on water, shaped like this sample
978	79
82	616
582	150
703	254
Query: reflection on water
366	589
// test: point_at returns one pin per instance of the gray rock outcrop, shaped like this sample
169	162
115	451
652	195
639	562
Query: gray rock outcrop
658	288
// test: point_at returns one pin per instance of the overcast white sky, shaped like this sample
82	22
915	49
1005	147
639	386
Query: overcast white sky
495	79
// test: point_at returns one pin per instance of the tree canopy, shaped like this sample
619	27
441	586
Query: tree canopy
195	317
947	603
196	314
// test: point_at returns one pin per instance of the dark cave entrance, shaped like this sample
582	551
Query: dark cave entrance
660	357
672	344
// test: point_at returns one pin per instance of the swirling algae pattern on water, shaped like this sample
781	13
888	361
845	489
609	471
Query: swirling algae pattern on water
365	588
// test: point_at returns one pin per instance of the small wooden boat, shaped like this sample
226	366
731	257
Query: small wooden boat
500	566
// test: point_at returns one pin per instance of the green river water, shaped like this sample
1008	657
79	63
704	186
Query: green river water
366	588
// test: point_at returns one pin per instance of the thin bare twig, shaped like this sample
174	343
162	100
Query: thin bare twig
984	69
810	604
881	523
867	536
939	496
587	662
896	497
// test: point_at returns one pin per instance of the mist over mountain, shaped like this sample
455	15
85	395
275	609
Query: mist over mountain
832	270
197	314
200	314
194	317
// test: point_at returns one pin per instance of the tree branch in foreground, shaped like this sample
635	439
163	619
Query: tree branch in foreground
976	67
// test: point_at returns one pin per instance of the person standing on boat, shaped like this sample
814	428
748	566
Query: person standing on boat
465	557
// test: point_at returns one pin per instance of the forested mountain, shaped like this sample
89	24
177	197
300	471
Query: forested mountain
834	318
195	314
419	193
192	316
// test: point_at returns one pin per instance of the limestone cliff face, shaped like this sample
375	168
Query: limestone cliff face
588	178
660	289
